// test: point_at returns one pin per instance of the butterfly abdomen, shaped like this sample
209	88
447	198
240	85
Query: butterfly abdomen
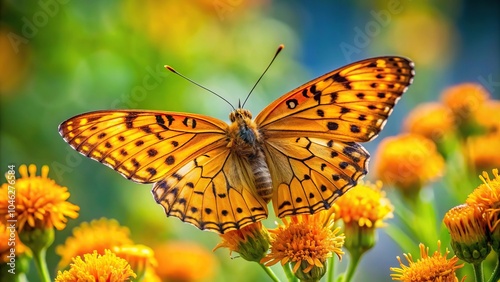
260	170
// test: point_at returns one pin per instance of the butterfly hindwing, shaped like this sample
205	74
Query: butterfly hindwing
214	191
309	174
310	133
143	146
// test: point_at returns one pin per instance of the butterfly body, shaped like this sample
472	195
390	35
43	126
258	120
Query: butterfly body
246	142
300	153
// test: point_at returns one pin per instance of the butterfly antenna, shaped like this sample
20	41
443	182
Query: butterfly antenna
197	84
262	75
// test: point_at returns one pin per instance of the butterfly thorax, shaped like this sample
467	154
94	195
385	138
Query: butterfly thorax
245	140
243	132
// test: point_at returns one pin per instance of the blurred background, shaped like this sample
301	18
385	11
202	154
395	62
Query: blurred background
62	58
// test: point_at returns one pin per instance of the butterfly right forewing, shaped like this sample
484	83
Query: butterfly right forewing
311	132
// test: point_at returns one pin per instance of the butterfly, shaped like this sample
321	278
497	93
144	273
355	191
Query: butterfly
300	152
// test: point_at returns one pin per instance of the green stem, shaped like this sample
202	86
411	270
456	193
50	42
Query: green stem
496	273
289	274
330	270
353	264
269	272
478	271
41	265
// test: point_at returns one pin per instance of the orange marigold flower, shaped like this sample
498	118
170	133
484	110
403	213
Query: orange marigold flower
464	99
365	205
97	267
184	261
251	241
408	161
306	241
40	203
431	120
481	151
98	235
488	116
362	211
469	238
428	268
487	198
139	257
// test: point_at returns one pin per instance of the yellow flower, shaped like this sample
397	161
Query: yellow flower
487	198
97	235
428	268
40	202
139	257
364	205
481	151
464	99
184	262
99	268
362	210
468	234
408	161
306	241
431	120
251	241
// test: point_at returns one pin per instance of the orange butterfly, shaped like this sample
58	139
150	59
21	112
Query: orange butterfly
300	152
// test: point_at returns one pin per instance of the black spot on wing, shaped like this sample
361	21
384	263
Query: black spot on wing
161	122
129	120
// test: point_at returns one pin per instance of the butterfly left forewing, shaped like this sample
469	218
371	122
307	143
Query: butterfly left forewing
143	146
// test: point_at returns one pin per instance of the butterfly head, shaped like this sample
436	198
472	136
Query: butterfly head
240	115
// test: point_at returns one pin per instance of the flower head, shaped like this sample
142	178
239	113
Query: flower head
488	116
468	234
192	262
97	235
431	120
482	152
428	268
464	99
139	257
408	161
364	205
251	241
97	267
486	197
306	241
40	202
362	211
